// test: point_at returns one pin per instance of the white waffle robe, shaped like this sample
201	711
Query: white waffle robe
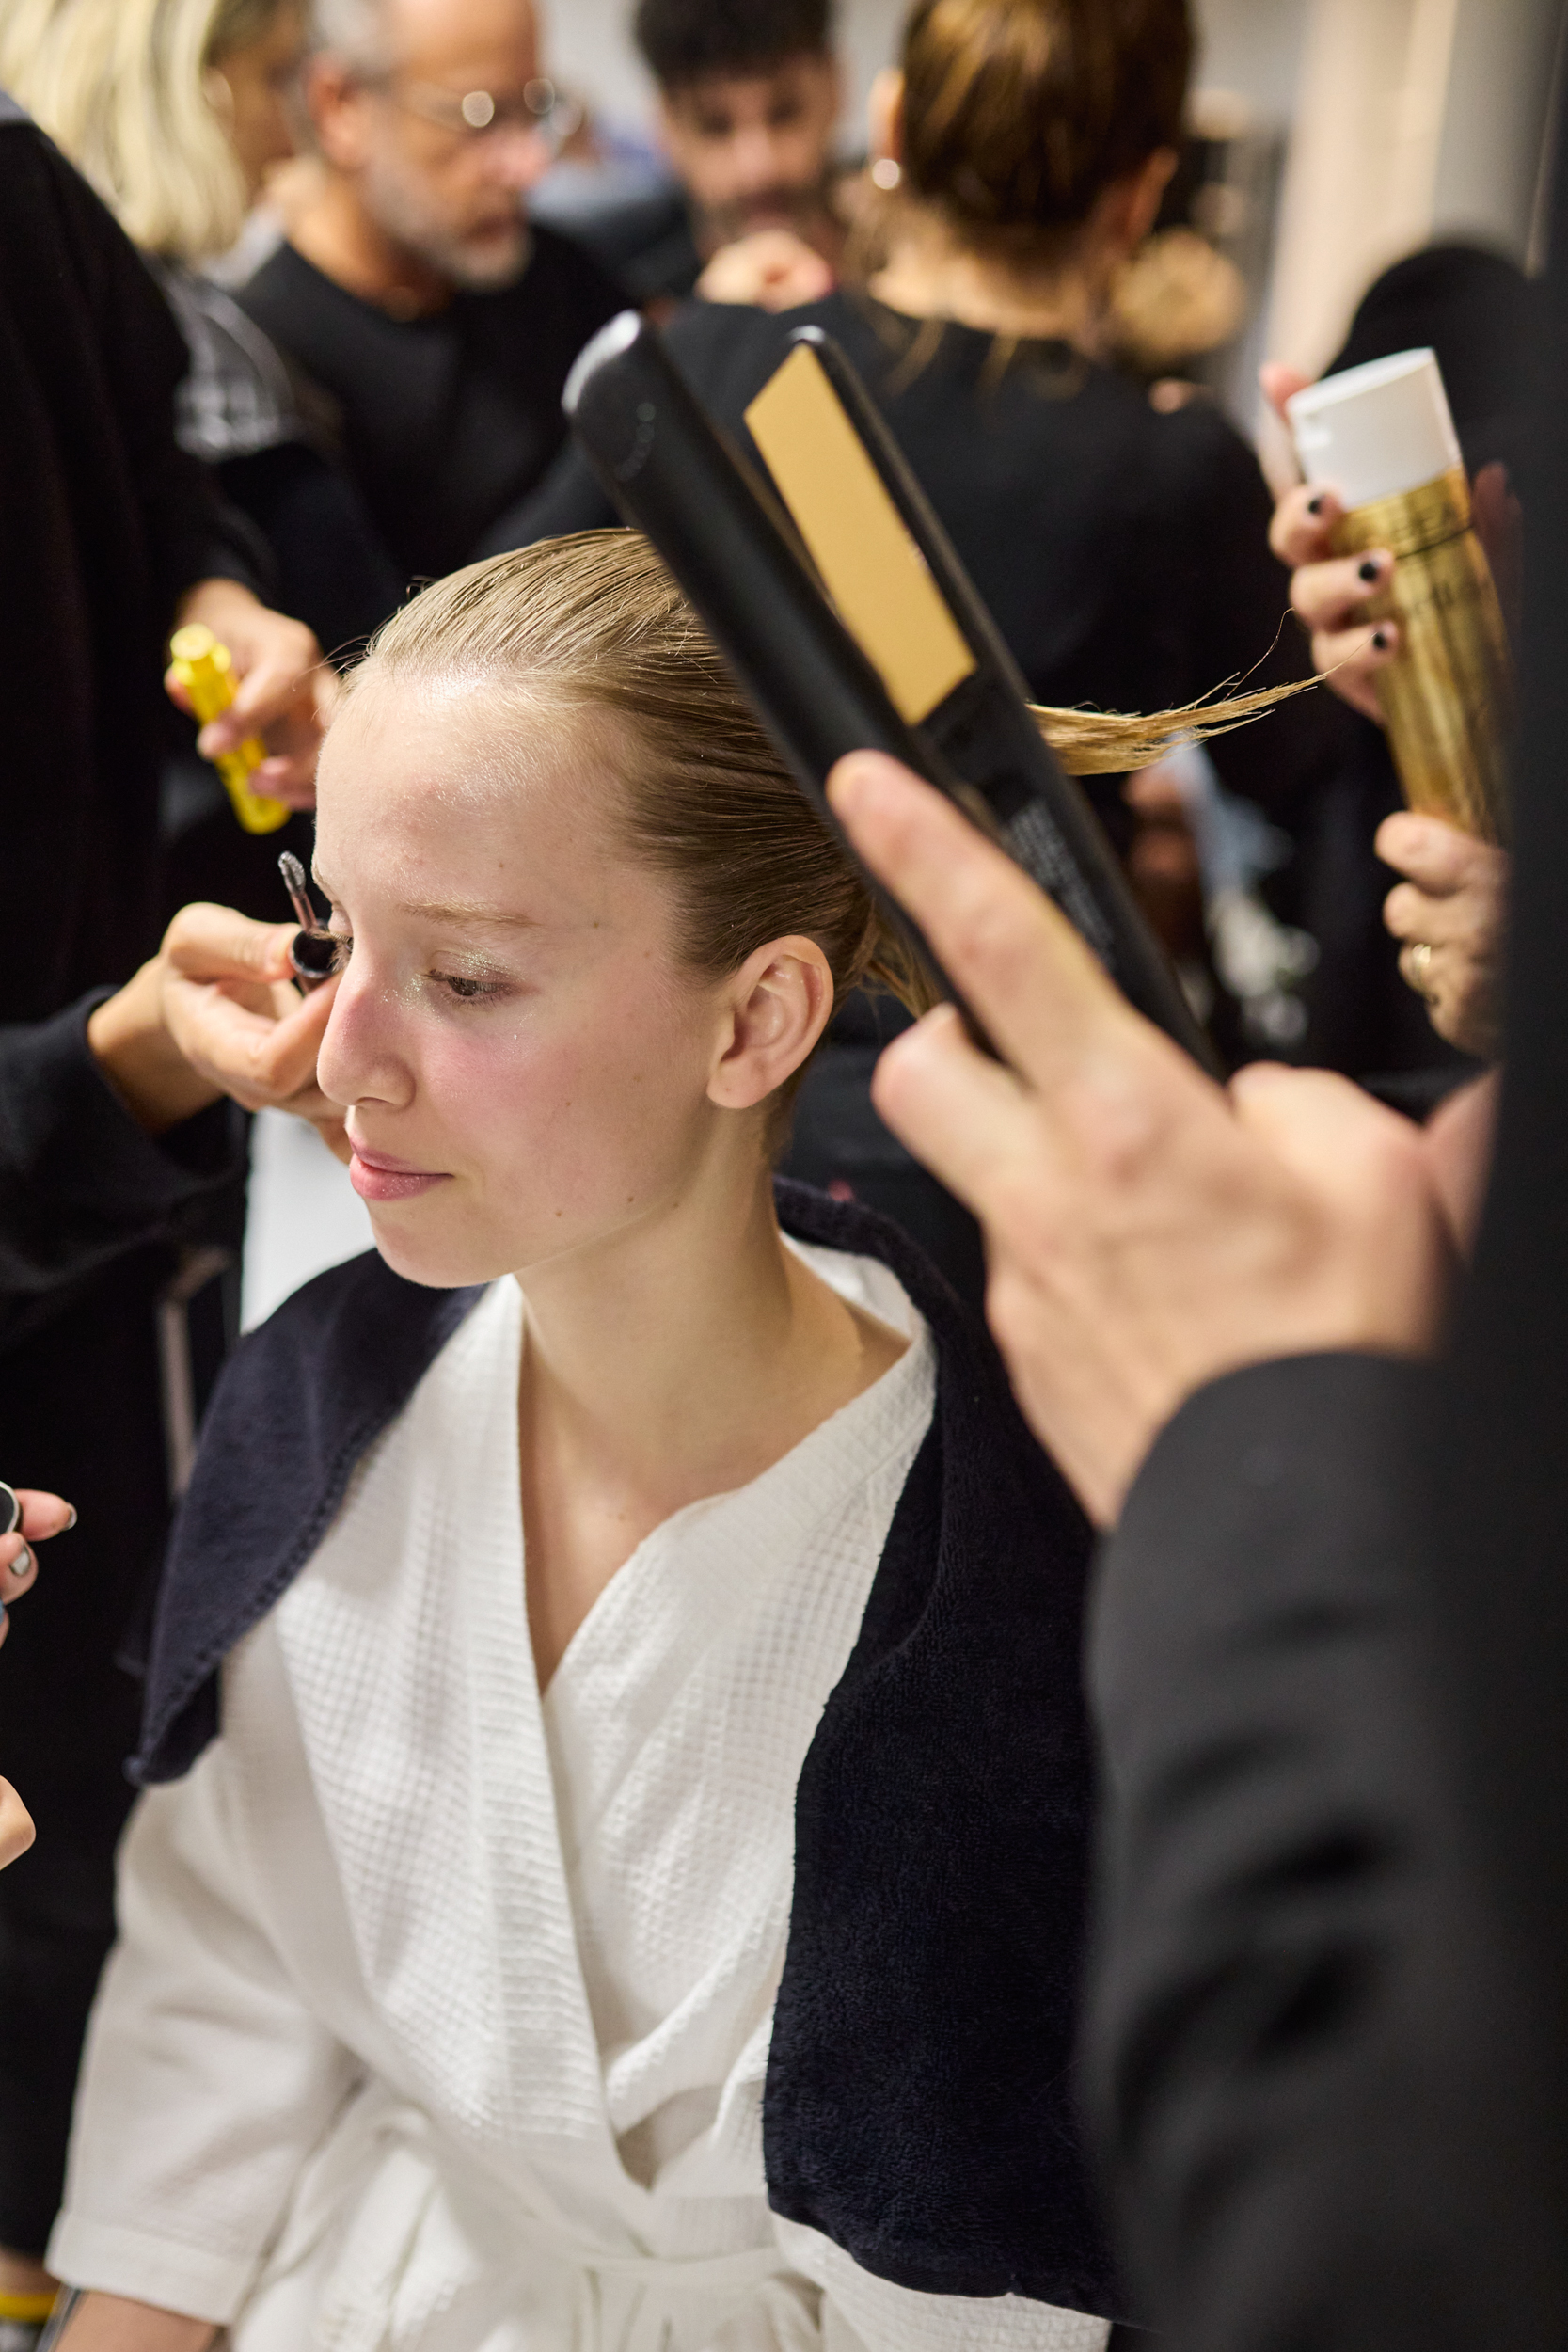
440	2012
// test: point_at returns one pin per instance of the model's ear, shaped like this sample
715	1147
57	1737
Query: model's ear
885	115
777	1006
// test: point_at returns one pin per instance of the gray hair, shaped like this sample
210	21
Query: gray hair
353	30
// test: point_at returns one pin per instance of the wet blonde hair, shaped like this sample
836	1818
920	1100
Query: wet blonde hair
595	625
121	87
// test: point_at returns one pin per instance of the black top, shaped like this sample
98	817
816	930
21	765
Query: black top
919	2100
444	421
1123	553
646	243
105	520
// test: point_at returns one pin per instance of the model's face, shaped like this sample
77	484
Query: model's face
523	1059
445	146
754	151
252	93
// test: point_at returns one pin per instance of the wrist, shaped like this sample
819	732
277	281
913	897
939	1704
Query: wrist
214	601
129	1039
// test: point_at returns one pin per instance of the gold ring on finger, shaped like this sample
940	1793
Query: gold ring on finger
1419	967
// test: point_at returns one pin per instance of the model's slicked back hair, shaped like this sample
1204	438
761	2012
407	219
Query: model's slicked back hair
1018	114
355	30
685	41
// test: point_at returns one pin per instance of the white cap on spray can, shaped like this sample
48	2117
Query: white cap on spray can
1377	430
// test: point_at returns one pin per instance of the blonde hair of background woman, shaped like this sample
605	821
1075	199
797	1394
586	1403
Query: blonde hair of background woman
132	91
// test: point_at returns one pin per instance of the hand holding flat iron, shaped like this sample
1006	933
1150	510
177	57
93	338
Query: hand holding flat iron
1146	1229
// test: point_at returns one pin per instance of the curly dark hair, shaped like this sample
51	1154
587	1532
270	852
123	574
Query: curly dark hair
685	41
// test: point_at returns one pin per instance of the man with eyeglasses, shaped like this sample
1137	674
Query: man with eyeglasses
412	289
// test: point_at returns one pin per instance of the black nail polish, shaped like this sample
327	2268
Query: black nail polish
1369	569
1380	639
1315	506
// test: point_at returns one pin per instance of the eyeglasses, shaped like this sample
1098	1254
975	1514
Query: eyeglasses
543	111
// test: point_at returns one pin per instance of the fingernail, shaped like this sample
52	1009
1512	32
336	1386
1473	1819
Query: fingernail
1369	569
24	1563
1315	505
1380	641
71	1521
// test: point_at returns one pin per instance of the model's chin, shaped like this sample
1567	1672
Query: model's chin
438	1261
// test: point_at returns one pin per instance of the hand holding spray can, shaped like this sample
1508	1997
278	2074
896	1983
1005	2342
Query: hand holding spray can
1381	438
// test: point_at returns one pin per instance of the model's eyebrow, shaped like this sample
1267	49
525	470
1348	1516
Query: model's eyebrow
476	911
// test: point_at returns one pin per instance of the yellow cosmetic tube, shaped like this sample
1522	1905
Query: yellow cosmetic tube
204	668
1381	438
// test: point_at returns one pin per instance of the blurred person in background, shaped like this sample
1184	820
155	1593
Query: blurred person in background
750	95
1023	147
412	291
175	110
176	113
114	534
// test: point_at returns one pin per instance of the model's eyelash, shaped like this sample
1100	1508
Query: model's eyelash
466	989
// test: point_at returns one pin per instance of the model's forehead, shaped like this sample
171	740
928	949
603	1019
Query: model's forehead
446	744
458	795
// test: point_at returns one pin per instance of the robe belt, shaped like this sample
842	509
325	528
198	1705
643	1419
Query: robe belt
377	2300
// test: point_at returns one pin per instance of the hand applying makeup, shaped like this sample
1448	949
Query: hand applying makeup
216	1012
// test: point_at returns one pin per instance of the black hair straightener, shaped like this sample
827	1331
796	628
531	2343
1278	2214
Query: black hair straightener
850	621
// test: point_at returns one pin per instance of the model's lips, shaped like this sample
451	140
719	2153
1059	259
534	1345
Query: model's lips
377	1176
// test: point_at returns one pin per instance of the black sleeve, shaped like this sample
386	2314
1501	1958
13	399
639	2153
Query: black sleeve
80	1183
1296	2013
192	534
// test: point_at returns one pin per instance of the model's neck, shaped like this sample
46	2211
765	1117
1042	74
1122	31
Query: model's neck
930	272
668	1350
333	230
678	1361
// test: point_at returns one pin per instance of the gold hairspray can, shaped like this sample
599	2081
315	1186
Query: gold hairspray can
1382	438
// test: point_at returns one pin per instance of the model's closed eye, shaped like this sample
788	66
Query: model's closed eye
467	990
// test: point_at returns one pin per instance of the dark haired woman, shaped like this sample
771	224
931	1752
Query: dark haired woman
1123	548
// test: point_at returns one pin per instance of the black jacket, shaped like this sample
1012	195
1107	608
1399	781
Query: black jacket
1311	2062
919	2107
81	1185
